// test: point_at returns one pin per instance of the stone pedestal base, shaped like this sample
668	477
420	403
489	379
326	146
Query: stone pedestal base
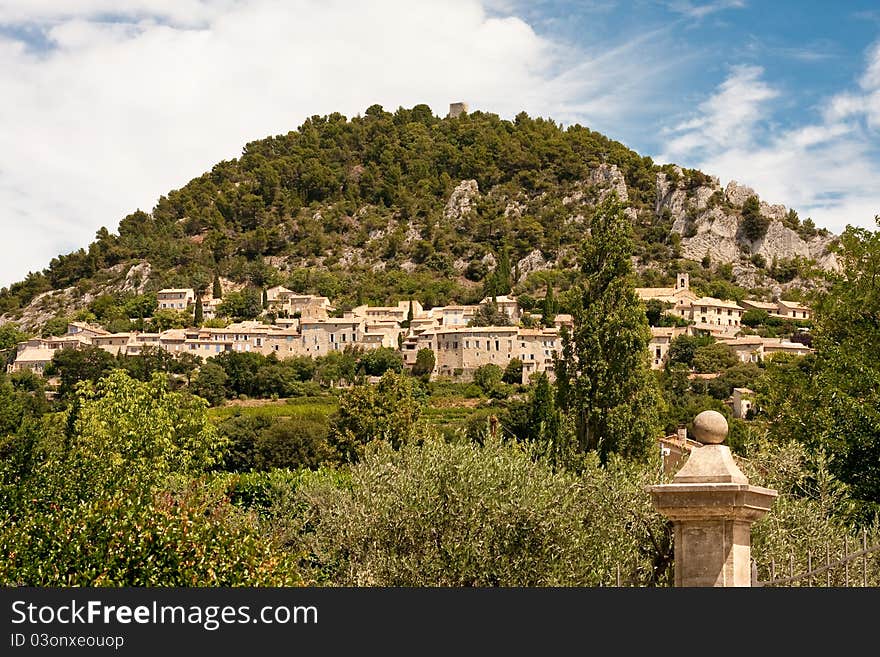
712	507
712	553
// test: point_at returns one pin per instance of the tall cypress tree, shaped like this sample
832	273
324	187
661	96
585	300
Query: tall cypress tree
198	312
604	378
543	422
500	281
217	292
504	275
549	309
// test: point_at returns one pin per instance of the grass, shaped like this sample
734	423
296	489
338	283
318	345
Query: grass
442	413
282	408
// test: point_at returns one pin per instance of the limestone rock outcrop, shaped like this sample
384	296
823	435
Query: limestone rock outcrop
737	194
137	278
717	231
780	242
534	261
608	178
461	200
716	236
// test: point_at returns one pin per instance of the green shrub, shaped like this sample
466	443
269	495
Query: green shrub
463	514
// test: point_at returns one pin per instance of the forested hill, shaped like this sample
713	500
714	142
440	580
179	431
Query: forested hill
406	204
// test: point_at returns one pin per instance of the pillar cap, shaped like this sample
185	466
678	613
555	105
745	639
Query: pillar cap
710	464
710	428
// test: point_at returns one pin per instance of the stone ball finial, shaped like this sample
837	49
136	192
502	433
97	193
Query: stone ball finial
710	428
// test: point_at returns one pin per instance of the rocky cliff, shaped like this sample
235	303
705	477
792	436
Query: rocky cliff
709	220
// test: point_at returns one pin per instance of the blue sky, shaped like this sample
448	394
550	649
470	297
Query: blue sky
115	102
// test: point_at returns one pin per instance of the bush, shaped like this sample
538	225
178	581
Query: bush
754	225
488	377
513	371
293	443
754	318
714	357
191	537
463	514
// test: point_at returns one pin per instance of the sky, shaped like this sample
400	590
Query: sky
109	104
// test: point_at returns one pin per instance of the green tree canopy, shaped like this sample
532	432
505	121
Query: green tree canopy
488	314
71	366
375	362
386	411
513	372
425	361
242	305
603	376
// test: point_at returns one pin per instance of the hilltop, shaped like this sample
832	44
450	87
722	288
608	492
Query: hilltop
407	204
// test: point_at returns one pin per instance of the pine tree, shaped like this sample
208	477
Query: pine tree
604	379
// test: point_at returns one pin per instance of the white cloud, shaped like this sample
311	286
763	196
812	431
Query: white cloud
697	10
725	120
182	12
825	170
134	98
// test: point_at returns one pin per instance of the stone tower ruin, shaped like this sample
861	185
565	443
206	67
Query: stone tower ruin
457	109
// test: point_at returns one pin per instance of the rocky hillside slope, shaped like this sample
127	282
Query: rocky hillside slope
385	206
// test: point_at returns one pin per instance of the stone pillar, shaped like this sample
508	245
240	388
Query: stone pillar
712	507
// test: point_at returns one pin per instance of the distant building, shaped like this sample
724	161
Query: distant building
675	450
35	354
175	298
715	316
680	295
84	329
754	349
209	307
794	310
778	345
743	400
748	348
661	338
398	313
507	305
460	350
457	109
305	306
453	315
782	309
